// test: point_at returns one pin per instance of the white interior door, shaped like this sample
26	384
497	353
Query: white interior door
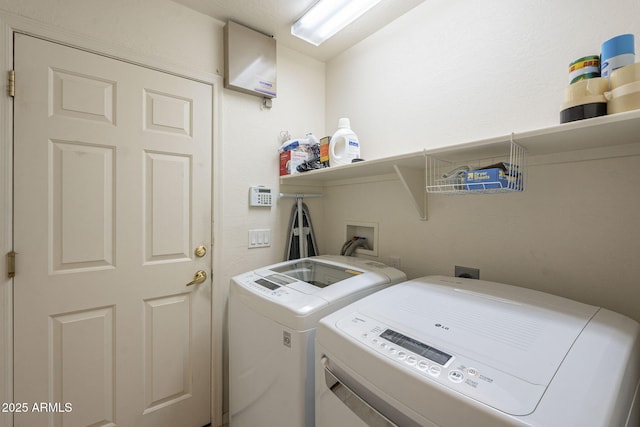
112	197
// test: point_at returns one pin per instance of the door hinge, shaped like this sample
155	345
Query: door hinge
12	83
11	264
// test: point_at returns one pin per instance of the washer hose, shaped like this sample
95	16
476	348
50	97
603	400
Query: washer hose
350	246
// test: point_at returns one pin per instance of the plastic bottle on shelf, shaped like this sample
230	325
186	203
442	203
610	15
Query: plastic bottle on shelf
311	139
344	145
291	144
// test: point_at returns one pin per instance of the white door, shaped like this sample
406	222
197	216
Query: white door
112	197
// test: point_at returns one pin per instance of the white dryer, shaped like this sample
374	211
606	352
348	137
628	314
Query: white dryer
273	314
452	352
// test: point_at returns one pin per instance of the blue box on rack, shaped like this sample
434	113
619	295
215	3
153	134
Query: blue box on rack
485	179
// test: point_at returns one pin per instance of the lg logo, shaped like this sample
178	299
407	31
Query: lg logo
441	326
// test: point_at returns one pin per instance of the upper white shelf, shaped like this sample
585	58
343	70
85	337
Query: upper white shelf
383	166
604	131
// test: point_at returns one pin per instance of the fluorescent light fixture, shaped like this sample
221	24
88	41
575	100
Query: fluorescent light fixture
327	17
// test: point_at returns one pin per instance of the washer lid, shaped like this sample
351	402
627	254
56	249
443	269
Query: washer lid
518	331
309	275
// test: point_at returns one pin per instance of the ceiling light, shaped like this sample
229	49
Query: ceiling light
327	17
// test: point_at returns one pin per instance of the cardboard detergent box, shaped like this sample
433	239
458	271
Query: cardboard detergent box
290	160
500	175
324	150
486	179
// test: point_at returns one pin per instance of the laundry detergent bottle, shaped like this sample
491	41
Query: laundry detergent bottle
344	145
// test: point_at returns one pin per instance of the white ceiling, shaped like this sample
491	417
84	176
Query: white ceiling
274	17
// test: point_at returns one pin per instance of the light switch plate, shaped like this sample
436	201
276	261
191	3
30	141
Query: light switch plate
260	238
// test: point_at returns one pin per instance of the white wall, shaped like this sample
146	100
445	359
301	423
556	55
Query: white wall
450	72
164	34
455	71
250	156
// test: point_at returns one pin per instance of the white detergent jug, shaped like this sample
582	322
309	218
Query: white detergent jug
344	145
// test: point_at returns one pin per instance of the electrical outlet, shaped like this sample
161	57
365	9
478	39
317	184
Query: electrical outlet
467	272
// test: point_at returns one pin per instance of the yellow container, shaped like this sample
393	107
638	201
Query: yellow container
585	88
625	75
624	98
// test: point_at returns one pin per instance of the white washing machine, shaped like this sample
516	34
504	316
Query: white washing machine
273	314
453	352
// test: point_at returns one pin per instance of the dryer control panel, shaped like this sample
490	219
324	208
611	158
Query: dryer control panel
472	378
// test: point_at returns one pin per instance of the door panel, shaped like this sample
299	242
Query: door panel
167	350
82	192
167	113
91	365
112	195
167	225
86	97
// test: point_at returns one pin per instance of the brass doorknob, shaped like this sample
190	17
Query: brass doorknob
198	278
200	251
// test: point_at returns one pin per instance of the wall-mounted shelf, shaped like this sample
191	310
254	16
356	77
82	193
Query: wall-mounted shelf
409	168
598	132
383	166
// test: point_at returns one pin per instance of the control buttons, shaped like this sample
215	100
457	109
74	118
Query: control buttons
456	376
434	371
414	361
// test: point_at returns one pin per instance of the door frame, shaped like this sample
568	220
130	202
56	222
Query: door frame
10	24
